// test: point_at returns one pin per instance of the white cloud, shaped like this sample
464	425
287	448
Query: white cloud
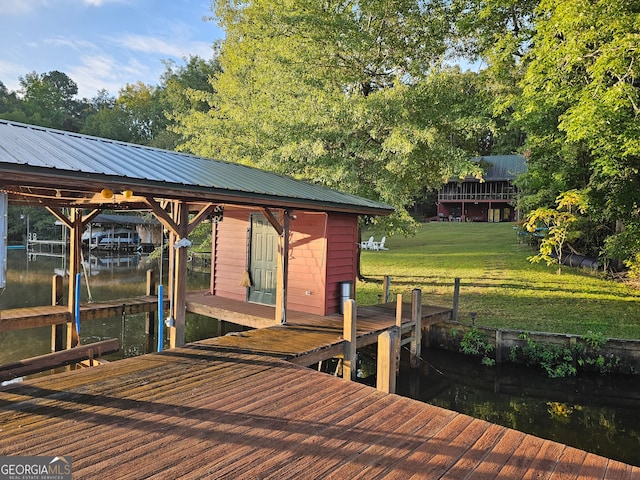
98	72
155	45
9	73
69	42
99	3
21	7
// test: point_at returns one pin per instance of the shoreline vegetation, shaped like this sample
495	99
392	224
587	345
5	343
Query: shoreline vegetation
498	285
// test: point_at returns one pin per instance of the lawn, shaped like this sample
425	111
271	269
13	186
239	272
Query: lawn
498	283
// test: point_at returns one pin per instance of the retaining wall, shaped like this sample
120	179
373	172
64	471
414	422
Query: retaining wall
625	353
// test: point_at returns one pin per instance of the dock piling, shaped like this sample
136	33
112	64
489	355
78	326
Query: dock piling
456	299
415	347
58	332
349	361
388	345
150	318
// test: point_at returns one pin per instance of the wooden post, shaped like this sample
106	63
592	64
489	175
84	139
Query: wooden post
415	347
385	288
350	320
398	328
498	346
456	299
283	270
75	245
399	310
58	332
176	332
214	245
387	358
150	317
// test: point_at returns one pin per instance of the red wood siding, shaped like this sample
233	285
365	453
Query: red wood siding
342	238
231	254
307	277
322	254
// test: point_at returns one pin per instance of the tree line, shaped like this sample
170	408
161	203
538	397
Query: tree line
375	97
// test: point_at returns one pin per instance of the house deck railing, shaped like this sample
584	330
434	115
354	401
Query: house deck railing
476	196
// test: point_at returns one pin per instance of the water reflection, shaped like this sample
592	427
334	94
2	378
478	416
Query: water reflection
593	413
105	278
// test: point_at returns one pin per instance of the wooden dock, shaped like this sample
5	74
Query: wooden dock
204	411
306	338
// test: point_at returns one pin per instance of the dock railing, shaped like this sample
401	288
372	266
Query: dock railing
390	342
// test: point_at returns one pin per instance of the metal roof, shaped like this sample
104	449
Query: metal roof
123	220
29	150
502	167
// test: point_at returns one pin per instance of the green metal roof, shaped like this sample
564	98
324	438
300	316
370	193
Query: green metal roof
502	167
27	150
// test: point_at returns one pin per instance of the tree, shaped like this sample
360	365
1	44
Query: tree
48	100
581	97
557	227
336	93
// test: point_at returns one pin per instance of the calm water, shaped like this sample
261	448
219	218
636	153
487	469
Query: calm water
594	413
109	278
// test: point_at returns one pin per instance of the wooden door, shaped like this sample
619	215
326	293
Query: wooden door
263	261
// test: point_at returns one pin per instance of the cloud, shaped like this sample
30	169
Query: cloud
60	41
9	73
13	7
99	3
155	45
97	72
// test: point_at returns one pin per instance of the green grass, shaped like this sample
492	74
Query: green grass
498	283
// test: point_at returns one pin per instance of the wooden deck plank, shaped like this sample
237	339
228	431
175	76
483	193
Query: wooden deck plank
498	456
522	457
233	408
279	420
476	454
569	464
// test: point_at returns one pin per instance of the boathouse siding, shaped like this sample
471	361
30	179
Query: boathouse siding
322	255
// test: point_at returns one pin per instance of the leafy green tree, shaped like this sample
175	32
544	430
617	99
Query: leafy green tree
348	95
8	100
581	93
557	227
48	100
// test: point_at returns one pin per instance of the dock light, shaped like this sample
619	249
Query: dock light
106	193
127	194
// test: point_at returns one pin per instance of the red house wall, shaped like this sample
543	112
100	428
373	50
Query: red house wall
307	273
230	254
322	254
342	251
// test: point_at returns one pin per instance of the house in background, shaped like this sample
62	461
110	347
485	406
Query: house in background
492	199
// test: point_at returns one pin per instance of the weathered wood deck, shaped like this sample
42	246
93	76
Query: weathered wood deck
202	411
43	316
306	338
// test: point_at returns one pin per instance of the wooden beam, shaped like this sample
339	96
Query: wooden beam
41	363
75	252
56	212
282	272
163	217
179	279
86	219
272	220
200	216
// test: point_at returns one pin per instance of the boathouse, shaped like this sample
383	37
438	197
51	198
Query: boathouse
256	216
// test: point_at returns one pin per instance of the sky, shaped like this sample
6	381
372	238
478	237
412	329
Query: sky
102	44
